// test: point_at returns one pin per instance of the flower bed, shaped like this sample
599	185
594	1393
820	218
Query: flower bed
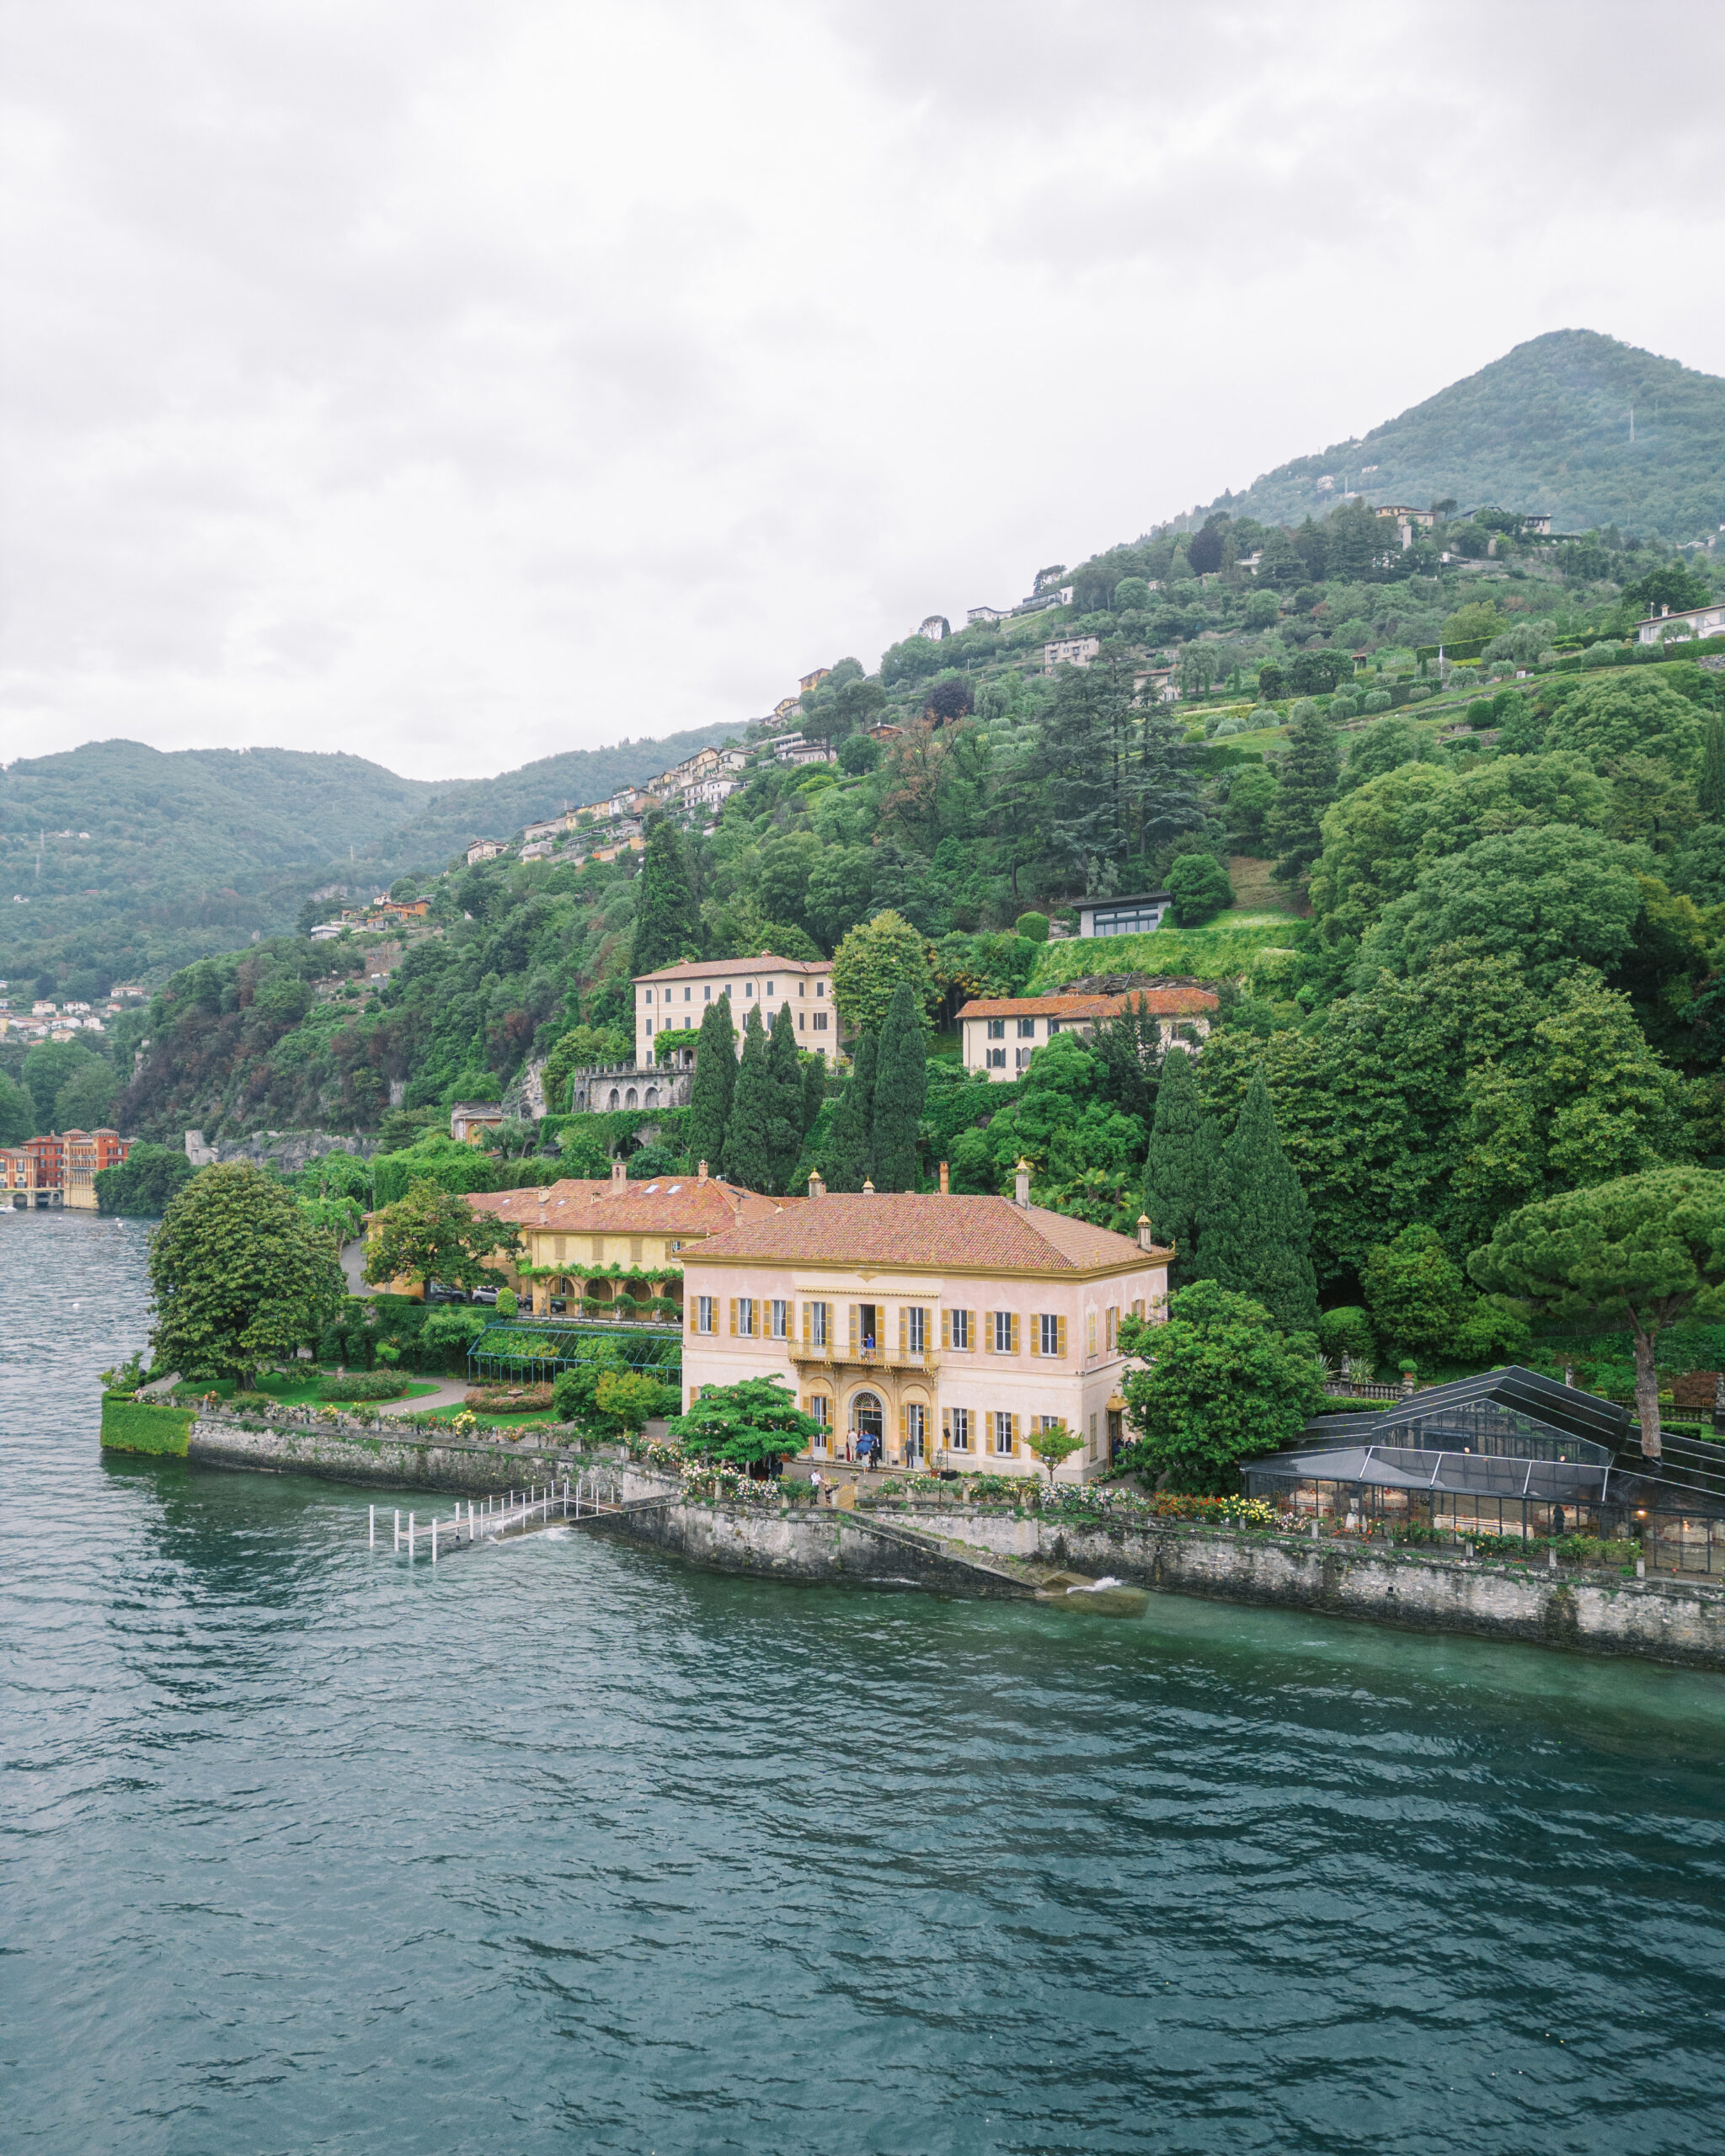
509	1399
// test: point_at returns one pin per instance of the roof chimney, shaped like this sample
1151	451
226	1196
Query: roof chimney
1021	1186
817	1188
1146	1240
619	1174
703	1172
943	1188
867	1188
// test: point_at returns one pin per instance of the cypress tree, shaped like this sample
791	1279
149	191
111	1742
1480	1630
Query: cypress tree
1310	772
748	1130
1256	1233
1710	787
900	1090
785	1100
850	1160
664	904
1178	1168
715	1084
814	1089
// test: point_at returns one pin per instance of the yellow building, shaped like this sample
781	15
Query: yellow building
604	1242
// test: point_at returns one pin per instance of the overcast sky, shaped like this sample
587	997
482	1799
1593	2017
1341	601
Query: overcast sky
456	382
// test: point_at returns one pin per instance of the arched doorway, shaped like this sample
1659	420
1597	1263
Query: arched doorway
650	1099
614	1101
629	1100
867	1417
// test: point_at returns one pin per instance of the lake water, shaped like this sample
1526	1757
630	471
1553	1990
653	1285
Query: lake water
565	1845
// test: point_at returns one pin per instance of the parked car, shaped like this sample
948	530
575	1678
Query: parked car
436	1292
484	1294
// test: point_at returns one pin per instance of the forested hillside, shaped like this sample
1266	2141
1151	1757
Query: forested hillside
118	861
1546	427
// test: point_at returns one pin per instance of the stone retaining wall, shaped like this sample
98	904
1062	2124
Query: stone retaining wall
1663	1620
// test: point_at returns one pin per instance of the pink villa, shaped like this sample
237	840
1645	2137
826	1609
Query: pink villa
951	1327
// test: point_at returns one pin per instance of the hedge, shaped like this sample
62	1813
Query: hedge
1218	952
130	1425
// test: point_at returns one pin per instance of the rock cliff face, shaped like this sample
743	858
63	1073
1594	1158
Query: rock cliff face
289	1150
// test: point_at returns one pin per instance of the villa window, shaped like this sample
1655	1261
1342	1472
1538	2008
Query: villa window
707	991
649	1028
1090	1332
996	1029
955	1329
820	988
1024	1056
1051	1334
687	993
1111	1327
704	1314
996	1059
771	986
1003	1429
817	1318
743	1316
646	995
802	987
778	1320
1027	1029
748	992
958	1428
916	1329
820	1022
1003	1333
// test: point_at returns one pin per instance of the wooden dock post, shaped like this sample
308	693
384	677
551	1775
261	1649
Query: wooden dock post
372	1510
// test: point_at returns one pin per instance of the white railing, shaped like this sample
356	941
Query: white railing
513	1511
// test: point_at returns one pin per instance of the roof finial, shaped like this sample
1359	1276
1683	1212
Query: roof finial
867	1188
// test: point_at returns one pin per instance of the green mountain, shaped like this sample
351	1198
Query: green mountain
1546	427
118	860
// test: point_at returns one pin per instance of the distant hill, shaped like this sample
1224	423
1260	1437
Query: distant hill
1546	427
195	851
493	808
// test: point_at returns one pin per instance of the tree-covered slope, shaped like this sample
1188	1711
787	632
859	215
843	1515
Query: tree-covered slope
1546	427
117	859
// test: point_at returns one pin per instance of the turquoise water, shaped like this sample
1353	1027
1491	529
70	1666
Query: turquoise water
567	1846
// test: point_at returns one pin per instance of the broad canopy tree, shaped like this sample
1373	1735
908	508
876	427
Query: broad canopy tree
755	1424
239	1275
1648	1247
433	1234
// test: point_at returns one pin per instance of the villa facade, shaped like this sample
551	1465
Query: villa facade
952	1328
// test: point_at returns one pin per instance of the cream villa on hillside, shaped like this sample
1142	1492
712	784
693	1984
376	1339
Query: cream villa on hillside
951	1327
676	998
590	1242
1001	1033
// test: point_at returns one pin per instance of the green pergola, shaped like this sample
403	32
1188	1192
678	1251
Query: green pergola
515	1347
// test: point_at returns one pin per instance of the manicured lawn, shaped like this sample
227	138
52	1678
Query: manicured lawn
487	1415
305	1394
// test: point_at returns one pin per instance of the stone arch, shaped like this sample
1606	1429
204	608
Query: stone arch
616	1100
629	1099
865	1412
649	1099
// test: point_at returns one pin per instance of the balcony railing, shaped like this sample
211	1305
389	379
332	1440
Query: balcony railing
840	1354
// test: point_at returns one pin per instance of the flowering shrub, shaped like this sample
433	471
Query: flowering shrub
464	1423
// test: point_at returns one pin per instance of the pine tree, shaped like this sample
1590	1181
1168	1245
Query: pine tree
1176	1171
1309	775
900	1090
748	1130
785	1103
1710	787
1255	1236
664	904
850	1160
715	1084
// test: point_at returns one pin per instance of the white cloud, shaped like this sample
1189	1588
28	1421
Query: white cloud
459	382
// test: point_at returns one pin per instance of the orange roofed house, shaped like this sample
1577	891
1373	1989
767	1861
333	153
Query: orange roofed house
951	1327
1000	1033
602	1242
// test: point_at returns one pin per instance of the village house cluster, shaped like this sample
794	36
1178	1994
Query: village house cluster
59	1168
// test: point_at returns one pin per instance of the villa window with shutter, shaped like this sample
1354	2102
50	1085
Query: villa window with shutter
916	1329
955	1429
817	1318
1004	1429
778	1320
704	1314
957	1328
1003	1333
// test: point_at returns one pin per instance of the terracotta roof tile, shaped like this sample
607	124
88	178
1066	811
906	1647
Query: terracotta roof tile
971	1234
694	968
667	1205
1157	1002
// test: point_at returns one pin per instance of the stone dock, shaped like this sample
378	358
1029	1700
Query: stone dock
1014	1552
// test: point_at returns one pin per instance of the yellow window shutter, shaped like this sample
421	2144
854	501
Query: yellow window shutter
808	1325
1015	1350
904	1427
946	1328
1060	1336
1015	1434
946	1426
1035	1335
855	1328
734	1314
694	1312
903	1330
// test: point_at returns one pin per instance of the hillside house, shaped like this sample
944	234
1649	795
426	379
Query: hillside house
814	681
950	1328
552	827
989	614
999	1033
1070	651
798	749
676	997
482	850
1140	914
1666	626
470	1120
